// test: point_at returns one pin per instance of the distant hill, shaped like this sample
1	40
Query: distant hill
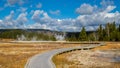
34	30
45	31
30	33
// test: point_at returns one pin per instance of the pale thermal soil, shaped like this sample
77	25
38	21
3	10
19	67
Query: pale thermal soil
87	59
107	56
94	59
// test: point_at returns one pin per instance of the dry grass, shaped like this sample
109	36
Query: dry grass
78	59
61	61
15	55
109	45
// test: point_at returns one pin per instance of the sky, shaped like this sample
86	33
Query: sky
58	15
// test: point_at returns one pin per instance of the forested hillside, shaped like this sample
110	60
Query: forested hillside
108	32
19	34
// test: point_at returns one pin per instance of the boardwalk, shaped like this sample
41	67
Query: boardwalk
44	60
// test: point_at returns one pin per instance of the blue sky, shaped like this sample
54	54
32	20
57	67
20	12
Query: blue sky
60	15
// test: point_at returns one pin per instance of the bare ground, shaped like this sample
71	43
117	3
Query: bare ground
101	57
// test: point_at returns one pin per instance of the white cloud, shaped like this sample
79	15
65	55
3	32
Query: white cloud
85	9
22	18
32	11
36	15
96	19
109	8
10	17
43	20
40	16
106	3
11	22
90	17
38	26
39	5
90	21
56	12
1	22
91	28
13	2
22	9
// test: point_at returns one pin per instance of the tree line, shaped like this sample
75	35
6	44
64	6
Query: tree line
18	34
108	32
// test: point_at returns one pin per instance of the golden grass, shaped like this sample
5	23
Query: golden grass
108	46
15	55
62	61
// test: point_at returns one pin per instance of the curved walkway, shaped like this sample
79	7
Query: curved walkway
44	60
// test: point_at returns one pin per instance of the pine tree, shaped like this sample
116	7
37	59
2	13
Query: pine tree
92	37
113	32
106	32
83	35
119	28
100	33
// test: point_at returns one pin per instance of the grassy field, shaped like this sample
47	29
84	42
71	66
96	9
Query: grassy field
86	59
109	45
15	55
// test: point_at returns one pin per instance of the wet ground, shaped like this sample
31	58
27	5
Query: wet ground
112	56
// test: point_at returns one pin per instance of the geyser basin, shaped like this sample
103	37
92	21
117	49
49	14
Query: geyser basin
108	55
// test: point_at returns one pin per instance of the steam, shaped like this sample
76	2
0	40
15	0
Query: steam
21	38
24	38
34	38
60	37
